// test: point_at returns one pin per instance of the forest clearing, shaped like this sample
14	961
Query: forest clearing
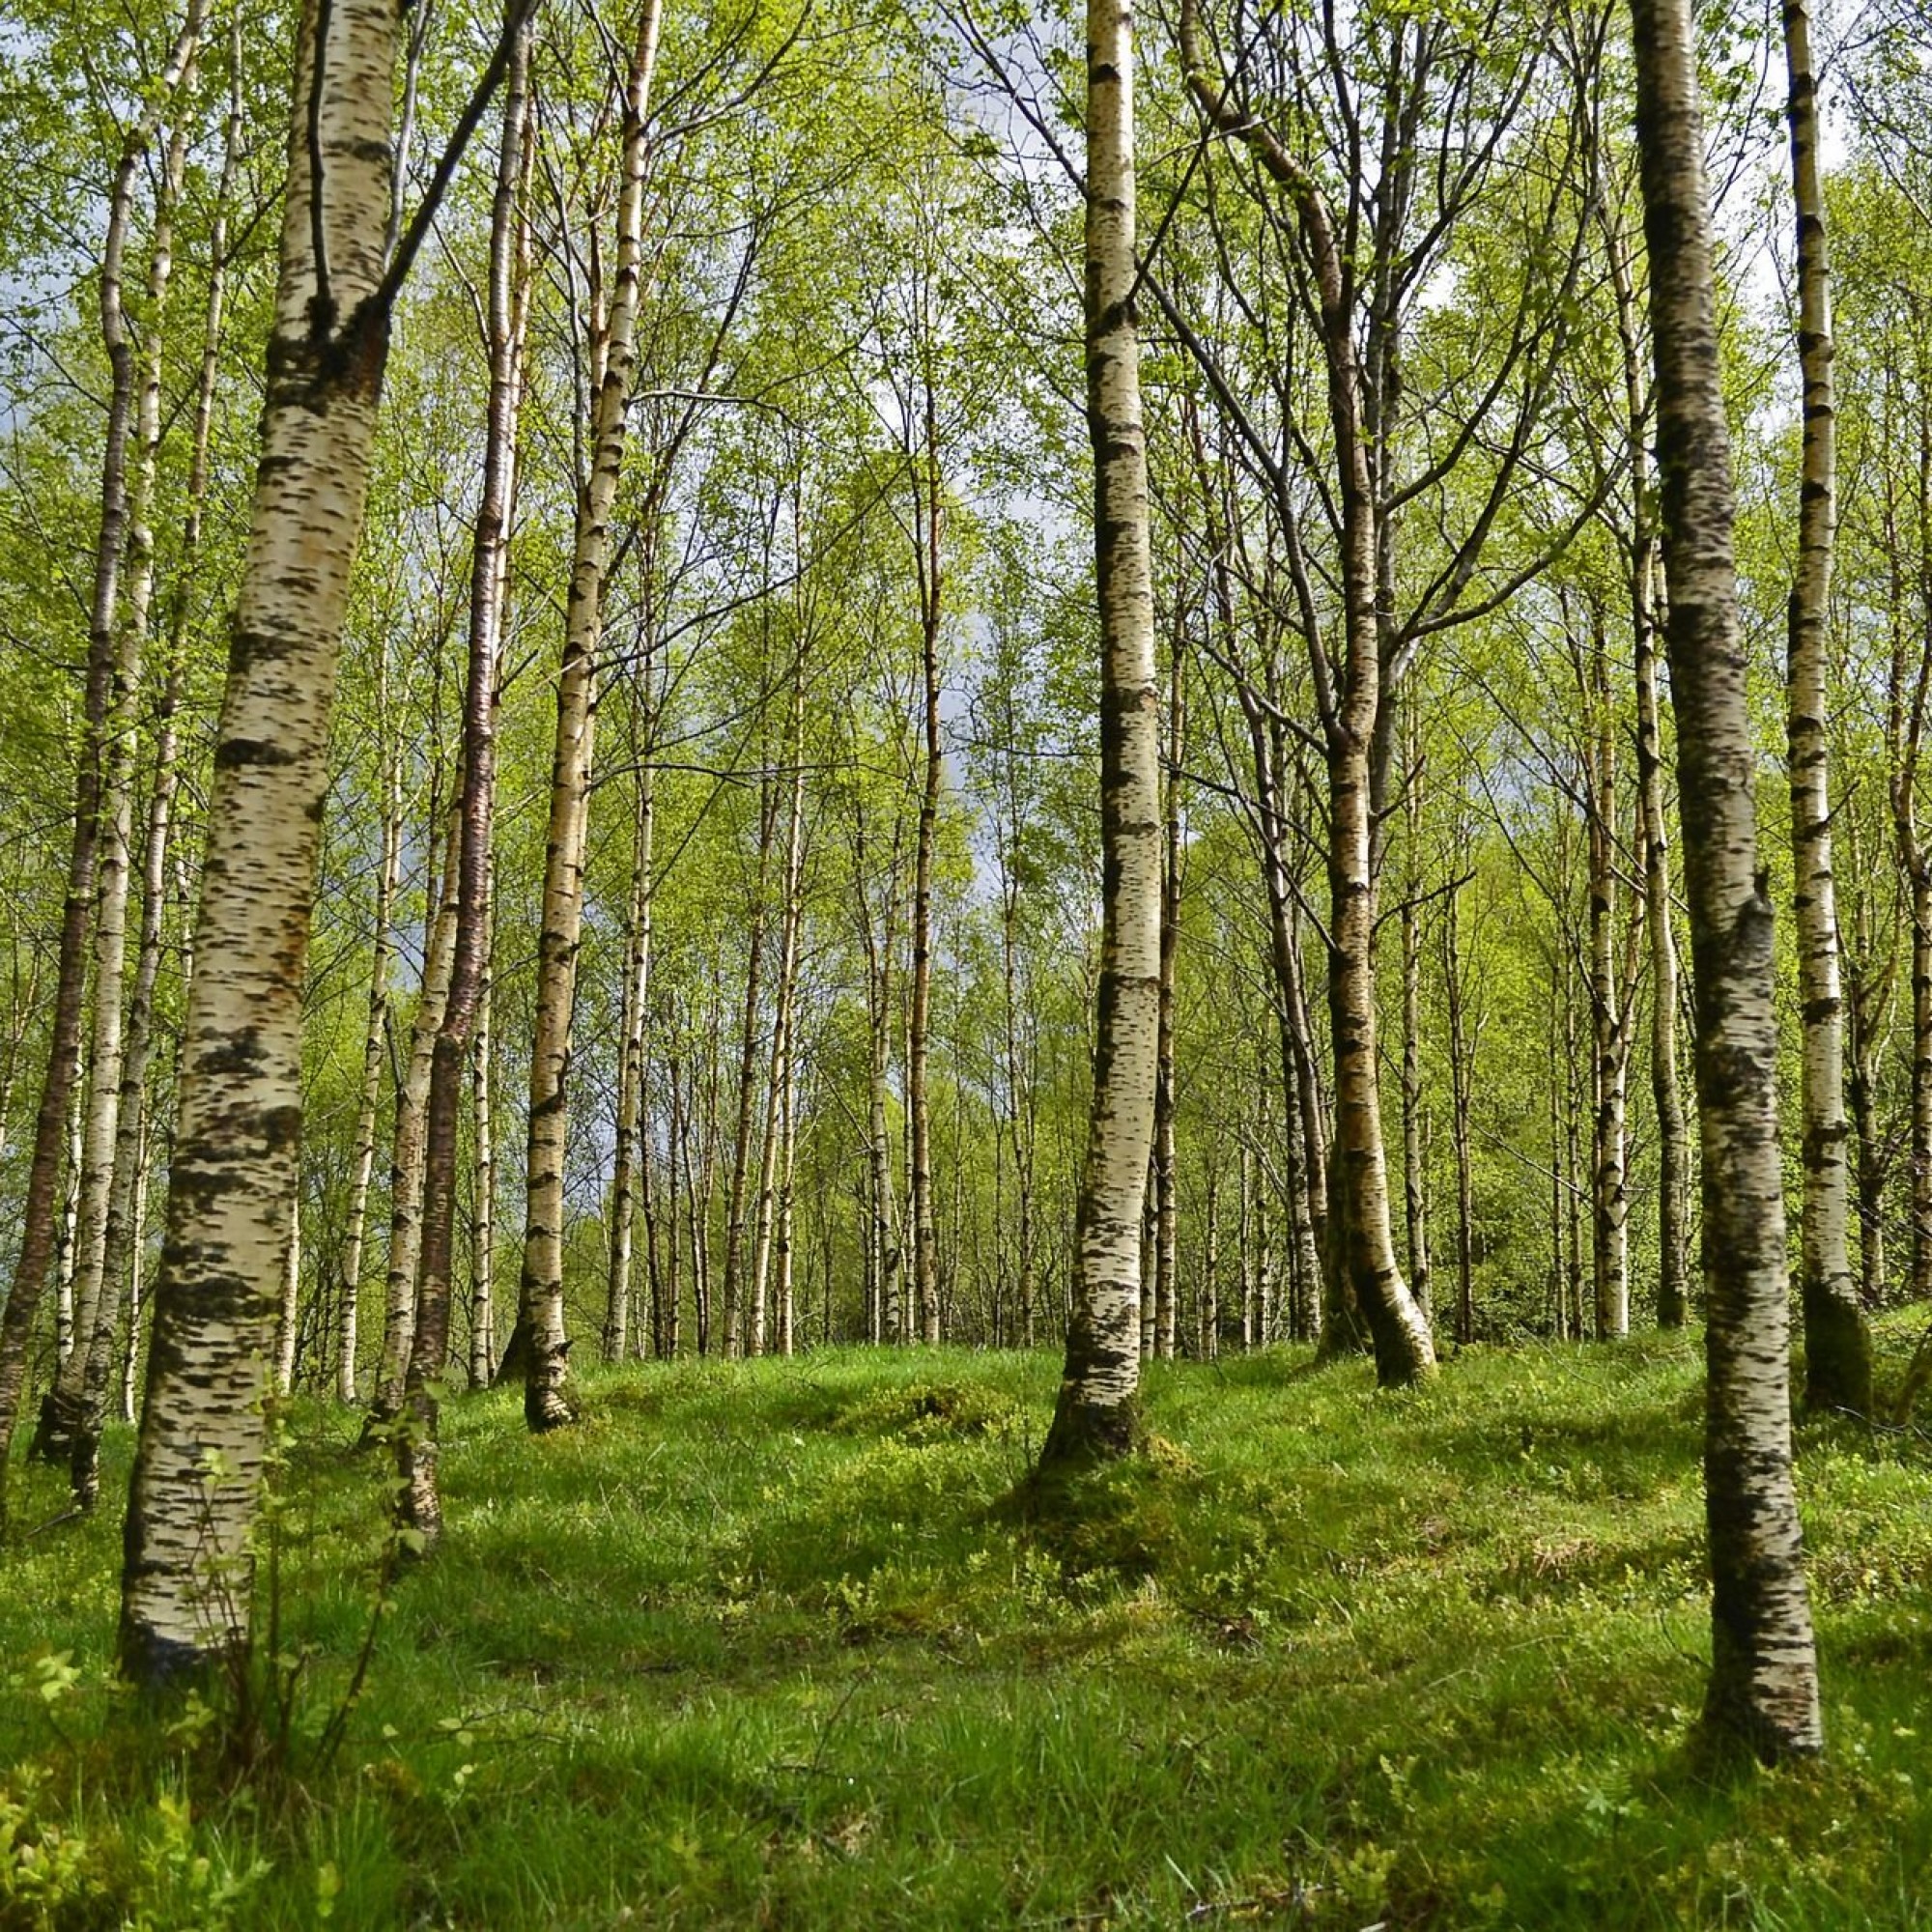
722	726
762	1644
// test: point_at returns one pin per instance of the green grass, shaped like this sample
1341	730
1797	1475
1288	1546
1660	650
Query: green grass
765	1646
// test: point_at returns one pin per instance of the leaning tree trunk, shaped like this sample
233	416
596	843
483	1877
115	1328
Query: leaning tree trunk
39	1220
417	1444
1763	1689
1098	1413
547	1403
200	1459
1838	1344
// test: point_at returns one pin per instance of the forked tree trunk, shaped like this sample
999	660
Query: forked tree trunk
1763	1690
39	1220
1838	1344
199	1462
1097	1411
1354	719
547	1403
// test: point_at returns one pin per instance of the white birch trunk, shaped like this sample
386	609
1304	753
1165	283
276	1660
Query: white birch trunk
1097	1414
1838	1345
186	1583
547	1403
1763	1690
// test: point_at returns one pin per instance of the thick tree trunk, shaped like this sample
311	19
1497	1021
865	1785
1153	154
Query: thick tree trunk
1098	1413
1763	1689
1838	1345
199	1463
547	1403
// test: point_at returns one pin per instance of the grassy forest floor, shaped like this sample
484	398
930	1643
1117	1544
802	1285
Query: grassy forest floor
758	1645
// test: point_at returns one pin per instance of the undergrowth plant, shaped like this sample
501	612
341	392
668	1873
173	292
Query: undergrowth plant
768	1642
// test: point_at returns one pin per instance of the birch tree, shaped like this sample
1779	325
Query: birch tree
1097	1414
1837	1347
547	1402
1763	1689
199	1461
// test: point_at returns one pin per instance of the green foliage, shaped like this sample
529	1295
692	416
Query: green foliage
761	1643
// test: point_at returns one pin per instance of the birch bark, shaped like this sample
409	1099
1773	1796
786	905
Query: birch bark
1098	1415
1763	1690
417	1445
1838	1344
198	1465
547	1403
